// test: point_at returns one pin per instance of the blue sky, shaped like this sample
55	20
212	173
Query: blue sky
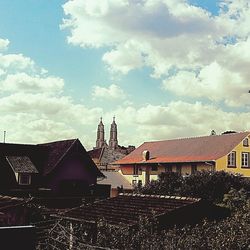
162	67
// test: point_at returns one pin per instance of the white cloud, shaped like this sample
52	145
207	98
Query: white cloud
175	120
4	43
111	92
172	37
24	82
212	82
16	62
125	57
33	106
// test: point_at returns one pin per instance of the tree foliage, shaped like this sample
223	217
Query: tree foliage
203	184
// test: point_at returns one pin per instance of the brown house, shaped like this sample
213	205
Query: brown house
61	166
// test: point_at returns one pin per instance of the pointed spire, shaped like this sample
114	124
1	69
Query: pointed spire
113	142
100	141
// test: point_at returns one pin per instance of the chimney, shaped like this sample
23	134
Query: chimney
145	155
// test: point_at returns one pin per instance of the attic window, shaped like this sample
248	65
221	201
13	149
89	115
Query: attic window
24	179
245	142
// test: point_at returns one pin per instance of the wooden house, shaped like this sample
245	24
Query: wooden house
62	167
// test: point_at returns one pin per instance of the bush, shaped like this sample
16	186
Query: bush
203	184
211	185
168	183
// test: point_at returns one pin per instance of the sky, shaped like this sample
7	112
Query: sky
164	68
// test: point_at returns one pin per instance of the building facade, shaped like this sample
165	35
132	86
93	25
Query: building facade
60	166
228	152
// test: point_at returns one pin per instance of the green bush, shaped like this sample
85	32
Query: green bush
203	184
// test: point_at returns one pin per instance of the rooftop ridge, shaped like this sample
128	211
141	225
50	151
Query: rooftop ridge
161	196
196	137
50	142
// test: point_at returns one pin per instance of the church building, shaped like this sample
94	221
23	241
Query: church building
105	153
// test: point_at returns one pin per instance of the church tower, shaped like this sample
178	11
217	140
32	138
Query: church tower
113	142
100	135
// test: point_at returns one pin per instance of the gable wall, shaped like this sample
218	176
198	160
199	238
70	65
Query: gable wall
221	163
76	166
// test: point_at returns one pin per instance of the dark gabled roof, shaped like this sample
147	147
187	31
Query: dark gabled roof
126	209
45	157
96	153
21	164
57	151
196	149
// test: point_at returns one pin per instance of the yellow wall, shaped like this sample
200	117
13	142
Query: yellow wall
221	163
127	171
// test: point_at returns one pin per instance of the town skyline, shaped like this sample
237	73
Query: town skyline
165	69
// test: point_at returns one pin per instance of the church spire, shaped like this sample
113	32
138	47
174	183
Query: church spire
113	142
100	135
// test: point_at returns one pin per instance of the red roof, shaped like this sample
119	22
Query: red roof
196	149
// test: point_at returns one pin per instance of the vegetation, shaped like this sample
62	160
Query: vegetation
231	233
208	185
220	187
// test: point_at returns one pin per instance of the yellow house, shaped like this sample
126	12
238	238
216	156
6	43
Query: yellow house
228	152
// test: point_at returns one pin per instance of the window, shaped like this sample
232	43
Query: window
24	179
231	159
154	168
245	142
178	169
244	160
193	168
134	182
169	168
135	172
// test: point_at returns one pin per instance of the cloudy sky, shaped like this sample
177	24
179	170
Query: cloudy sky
164	68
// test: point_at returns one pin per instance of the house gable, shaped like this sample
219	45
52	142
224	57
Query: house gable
239	149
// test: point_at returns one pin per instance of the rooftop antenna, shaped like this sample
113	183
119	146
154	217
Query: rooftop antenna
4	136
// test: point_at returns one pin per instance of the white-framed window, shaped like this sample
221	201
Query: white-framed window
245	142
231	159
24	179
244	159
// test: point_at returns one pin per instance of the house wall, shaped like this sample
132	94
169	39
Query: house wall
7	177
221	163
72	169
186	168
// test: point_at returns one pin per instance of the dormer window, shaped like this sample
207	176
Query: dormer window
24	179
245	142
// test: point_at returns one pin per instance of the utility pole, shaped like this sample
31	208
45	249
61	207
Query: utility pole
4	136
